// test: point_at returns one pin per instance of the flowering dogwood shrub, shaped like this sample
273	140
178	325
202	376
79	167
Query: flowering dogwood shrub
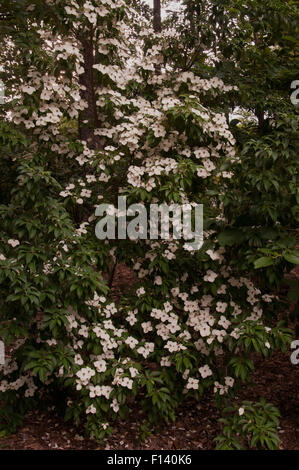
100	114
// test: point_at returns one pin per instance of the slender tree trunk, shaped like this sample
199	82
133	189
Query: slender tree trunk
157	23
259	112
261	121
157	16
88	117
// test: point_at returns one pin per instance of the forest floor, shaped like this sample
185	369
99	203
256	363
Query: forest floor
276	379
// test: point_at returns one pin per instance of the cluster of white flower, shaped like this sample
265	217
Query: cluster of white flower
223	389
84	375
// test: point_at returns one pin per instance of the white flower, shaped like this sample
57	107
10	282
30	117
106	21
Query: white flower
140	291
78	360
202	173
146	326
100	365
224	322
192	384
175	291
131	342
267	298
221	307
133	371
209	166
114	405
171	346
227	174
131	318
83	331
204	329
91	409
205	371
241	411
165	362
222	289
229	381
85	193
210	276
28	89
13	242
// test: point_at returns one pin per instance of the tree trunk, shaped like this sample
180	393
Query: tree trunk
88	120
157	26
157	16
261	121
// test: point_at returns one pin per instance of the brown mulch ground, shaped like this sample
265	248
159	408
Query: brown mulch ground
276	379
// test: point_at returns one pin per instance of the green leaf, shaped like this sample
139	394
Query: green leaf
291	258
263	262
